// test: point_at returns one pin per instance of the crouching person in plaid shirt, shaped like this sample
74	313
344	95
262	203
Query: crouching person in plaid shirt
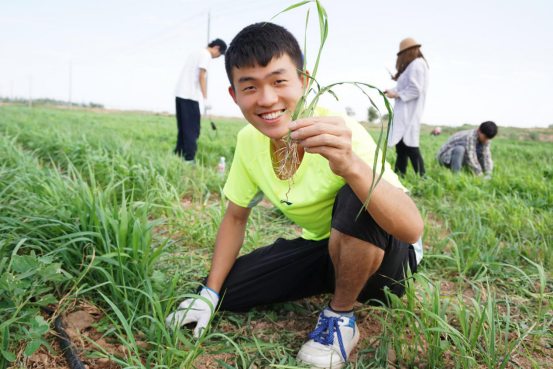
470	148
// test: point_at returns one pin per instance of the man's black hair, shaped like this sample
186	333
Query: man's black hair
258	44
489	129
218	42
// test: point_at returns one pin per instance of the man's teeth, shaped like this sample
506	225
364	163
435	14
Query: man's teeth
271	115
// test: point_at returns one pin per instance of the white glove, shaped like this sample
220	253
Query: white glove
195	310
207	104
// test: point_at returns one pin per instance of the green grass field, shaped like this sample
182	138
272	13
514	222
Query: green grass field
97	214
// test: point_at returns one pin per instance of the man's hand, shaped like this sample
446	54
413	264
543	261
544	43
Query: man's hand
391	94
207	104
195	310
328	136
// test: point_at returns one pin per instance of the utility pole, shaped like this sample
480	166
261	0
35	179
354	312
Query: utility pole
30	91
208	30
208	24
11	90
70	81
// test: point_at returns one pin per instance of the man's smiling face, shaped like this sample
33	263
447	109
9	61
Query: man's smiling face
264	93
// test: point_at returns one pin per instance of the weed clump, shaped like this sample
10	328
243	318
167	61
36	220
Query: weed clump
287	157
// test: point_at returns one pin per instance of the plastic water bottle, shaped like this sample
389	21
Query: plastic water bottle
221	168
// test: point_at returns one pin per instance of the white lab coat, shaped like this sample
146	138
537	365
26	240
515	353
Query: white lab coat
412	85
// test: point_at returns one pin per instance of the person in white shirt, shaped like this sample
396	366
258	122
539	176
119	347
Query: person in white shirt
191	87
409	95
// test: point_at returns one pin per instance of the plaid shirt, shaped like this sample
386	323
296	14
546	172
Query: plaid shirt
477	161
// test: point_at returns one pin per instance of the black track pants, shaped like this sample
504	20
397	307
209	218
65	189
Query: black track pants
293	269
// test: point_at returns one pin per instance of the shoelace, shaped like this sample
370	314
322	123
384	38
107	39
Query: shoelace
329	324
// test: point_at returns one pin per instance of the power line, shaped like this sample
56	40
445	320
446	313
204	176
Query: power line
262	6
172	31
161	37
157	39
235	5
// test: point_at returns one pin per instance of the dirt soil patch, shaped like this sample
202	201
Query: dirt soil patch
79	326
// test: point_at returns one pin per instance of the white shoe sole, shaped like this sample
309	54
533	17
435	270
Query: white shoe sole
339	365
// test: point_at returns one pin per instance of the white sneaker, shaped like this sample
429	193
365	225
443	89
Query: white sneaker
331	342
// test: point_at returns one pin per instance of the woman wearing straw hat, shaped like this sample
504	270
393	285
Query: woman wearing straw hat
409	95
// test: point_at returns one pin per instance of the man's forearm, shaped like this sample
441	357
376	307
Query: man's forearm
230	238
389	206
203	86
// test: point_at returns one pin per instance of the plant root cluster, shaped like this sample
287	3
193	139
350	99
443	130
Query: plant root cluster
286	167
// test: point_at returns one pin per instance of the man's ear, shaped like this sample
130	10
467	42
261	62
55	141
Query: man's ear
305	80
232	94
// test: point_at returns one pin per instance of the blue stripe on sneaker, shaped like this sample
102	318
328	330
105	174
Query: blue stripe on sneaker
351	323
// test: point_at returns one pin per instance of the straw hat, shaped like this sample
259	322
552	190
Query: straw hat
407	44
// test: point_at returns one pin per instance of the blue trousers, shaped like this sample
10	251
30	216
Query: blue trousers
458	159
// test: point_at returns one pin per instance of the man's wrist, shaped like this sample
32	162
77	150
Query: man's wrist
355	170
213	291
213	287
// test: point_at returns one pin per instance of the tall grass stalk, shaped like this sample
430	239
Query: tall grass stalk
306	108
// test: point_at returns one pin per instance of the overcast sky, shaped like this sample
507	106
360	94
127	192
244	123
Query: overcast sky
489	60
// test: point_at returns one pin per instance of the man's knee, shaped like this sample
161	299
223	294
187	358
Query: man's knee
457	158
345	240
459	150
341	243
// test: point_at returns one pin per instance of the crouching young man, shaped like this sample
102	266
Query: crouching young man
470	148
352	258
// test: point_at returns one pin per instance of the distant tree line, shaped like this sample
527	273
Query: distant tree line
372	115
49	102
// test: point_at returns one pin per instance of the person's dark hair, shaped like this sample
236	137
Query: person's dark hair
489	129
258	44
405	58
218	42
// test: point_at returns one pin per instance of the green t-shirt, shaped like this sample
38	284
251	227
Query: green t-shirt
311	198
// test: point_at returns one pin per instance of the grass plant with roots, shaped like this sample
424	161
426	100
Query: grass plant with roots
288	157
